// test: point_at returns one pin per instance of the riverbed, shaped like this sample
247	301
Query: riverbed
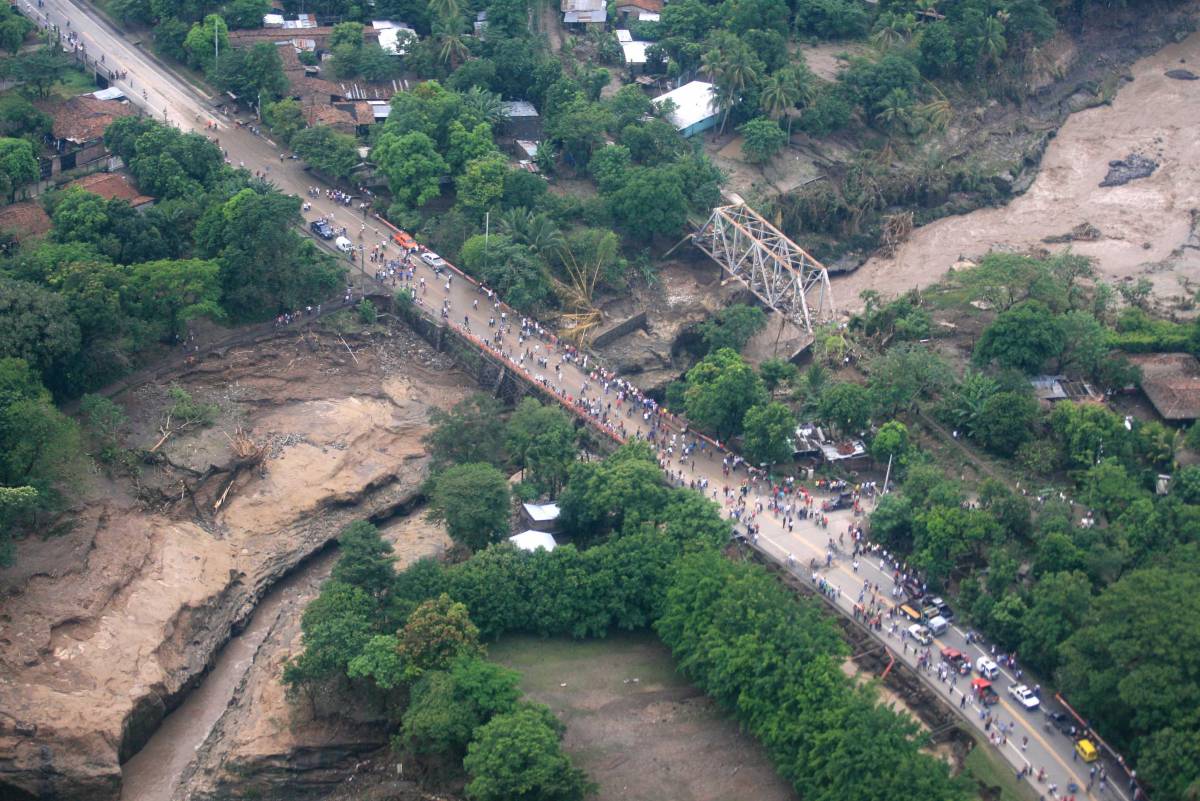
1143	225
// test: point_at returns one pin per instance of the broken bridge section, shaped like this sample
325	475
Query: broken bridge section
778	271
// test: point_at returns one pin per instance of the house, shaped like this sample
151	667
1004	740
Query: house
1051	388
394	37
581	13
480	22
695	107
77	128
1171	382
337	118
541	516
532	540
272	20
112	186
21	222
632	10
634	51
521	120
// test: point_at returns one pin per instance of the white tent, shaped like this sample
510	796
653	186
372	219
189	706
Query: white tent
532	540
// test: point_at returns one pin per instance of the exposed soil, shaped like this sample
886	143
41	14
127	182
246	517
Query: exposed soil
267	745
105	629
1144	224
638	728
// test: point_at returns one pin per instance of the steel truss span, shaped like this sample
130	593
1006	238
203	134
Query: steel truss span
777	270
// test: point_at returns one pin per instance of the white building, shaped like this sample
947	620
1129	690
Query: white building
695	107
532	540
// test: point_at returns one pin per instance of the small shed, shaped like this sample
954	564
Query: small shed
541	516
533	540
521	120
695	107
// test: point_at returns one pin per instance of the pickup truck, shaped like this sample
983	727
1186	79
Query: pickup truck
984	692
1024	696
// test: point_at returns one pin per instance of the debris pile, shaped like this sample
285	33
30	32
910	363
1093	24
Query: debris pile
1132	167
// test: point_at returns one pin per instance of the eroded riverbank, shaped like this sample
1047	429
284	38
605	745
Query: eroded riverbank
1145	227
106	628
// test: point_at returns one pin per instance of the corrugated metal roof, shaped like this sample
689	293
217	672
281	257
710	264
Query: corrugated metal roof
519	108
694	102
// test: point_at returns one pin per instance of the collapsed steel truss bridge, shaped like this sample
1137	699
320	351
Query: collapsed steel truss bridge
778	271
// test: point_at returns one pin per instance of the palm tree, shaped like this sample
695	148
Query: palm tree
445	8
732	70
537	231
892	29
485	105
780	93
895	109
993	44
452	45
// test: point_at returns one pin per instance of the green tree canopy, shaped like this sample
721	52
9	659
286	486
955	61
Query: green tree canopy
720	390
1024	338
467	433
517	756
768	433
732	327
762	138
18	166
438	632
327	150
846	406
366	559
412	164
473	501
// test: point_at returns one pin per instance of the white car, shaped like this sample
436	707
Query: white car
920	634
987	668
433	259
1024	696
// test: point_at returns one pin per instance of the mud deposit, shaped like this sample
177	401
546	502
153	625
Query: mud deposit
1144	224
106	629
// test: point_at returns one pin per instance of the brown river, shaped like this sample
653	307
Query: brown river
1143	225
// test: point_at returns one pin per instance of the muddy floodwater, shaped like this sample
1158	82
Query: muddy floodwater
1143	225
153	774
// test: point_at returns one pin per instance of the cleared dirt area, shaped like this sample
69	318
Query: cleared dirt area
636	726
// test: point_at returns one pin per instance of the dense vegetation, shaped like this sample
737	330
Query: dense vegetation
652	558
111	287
1079	587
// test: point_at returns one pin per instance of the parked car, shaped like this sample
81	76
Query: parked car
987	668
920	634
433	260
322	229
957	660
404	240
938	625
1024	696
943	608
1061	721
844	500
345	245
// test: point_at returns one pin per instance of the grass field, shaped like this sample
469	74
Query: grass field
636	726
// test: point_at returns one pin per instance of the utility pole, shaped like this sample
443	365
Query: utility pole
216	48
487	227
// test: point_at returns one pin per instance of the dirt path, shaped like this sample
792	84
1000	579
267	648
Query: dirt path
549	16
1143	224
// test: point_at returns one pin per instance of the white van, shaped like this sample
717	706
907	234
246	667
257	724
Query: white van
343	244
938	625
987	668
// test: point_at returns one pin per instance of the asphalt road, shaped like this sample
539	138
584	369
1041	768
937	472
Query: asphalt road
179	103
